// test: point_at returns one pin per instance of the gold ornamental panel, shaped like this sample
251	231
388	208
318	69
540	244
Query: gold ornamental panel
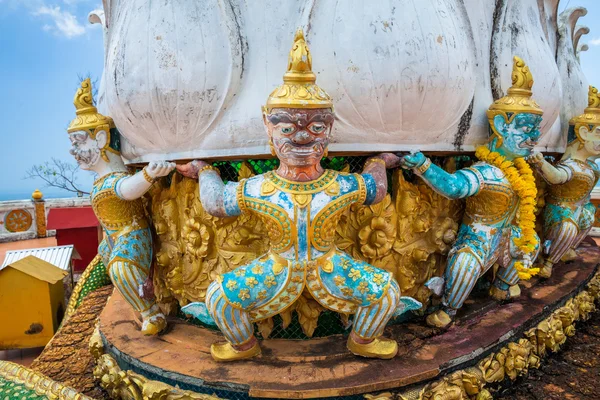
18	221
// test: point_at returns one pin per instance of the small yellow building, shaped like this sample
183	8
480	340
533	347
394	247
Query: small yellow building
32	300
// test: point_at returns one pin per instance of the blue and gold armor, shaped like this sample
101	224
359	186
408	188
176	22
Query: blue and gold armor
484	237
569	214
301	219
127	248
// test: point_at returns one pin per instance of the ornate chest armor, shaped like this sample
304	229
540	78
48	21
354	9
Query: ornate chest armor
578	188
301	217
113	212
494	203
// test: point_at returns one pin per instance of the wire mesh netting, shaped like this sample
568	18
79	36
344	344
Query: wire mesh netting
230	169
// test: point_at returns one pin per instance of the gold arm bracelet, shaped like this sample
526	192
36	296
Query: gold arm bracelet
421	169
209	167
147	177
374	160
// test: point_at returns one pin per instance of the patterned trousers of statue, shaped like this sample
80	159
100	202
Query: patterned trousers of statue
270	284
473	254
128	258
565	228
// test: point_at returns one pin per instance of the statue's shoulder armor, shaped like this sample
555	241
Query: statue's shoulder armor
112	211
251	187
489	173
349	183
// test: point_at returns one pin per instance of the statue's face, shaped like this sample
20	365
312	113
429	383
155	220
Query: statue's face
520	136
300	137
591	139
85	149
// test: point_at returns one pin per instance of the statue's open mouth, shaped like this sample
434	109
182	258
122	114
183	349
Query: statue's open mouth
303	150
528	144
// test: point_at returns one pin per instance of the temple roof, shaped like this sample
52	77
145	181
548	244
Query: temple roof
58	256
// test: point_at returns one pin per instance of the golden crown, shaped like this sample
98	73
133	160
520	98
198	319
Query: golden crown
518	99
88	116
591	115
299	89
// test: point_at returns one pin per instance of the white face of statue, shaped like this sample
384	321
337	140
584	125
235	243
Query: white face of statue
591	139
85	149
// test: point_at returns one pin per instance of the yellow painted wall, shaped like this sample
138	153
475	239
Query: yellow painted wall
57	299
24	300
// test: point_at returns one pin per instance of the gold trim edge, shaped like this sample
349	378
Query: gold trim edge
513	360
38	382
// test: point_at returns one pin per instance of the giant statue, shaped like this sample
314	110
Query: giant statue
300	204
499	189
569	214
116	199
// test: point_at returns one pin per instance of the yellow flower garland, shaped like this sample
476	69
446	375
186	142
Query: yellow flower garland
521	180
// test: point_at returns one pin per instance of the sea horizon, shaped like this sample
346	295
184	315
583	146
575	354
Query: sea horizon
26	195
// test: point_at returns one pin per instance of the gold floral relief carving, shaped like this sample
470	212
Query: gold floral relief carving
193	247
408	233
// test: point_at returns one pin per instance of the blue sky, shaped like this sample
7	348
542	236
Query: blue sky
46	44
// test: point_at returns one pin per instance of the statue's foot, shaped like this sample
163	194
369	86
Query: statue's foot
514	291
226	352
545	271
570	255
378	348
439	319
154	325
499	294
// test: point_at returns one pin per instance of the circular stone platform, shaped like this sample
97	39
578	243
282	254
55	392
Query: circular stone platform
323	367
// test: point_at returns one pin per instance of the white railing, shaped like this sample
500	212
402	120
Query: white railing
26	219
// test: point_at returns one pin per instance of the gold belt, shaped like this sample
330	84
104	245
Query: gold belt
282	262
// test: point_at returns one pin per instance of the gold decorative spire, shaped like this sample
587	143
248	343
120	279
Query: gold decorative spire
593	101
591	115
518	99
88	116
299	89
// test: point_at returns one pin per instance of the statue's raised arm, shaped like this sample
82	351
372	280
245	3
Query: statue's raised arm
459	185
217	198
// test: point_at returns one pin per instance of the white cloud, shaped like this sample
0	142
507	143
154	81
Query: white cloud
65	23
595	42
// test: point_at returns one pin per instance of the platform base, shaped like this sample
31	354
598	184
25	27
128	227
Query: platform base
323	367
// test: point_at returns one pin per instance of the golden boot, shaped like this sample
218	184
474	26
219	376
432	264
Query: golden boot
225	351
439	319
377	348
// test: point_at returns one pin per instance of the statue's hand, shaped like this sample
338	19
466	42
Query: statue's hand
391	160
535	158
190	170
156	169
413	160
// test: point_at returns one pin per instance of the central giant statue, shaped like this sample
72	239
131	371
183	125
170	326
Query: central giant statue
300	204
499	188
